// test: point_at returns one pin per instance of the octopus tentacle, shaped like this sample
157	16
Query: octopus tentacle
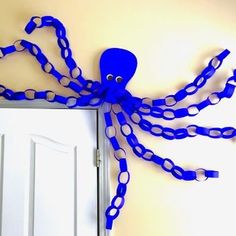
63	43
194	86
46	66
49	96
118	200
165	163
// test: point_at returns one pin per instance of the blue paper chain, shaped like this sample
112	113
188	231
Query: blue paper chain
194	86
93	99
46	66
50	96
118	200
63	43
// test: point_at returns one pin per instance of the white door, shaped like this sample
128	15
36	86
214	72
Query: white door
48	172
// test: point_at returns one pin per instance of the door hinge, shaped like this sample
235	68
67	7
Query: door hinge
98	158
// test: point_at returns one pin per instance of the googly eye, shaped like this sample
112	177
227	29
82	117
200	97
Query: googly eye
119	79
109	77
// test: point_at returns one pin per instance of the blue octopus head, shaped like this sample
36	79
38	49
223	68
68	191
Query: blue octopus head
117	67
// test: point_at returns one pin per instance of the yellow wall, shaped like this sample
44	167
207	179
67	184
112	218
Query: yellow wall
173	40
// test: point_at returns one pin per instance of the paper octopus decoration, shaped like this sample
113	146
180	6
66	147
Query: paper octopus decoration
117	67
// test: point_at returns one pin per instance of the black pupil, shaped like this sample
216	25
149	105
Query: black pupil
110	77
118	79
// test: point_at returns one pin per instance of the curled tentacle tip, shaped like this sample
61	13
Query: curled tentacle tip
212	174
109	223
223	54
32	25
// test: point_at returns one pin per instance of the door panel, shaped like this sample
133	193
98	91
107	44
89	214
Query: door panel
53	185
49	172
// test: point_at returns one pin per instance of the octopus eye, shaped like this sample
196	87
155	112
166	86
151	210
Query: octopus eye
109	77
119	79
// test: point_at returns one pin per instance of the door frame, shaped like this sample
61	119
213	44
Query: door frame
103	169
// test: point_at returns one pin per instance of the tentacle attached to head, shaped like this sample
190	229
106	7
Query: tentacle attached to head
37	22
118	200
